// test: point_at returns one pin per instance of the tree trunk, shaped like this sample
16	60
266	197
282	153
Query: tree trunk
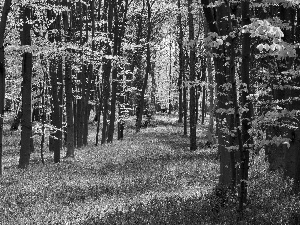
69	90
170	78
210	130
203	64
193	119
55	139
181	64
5	12
55	145
108	14
121	121
245	103
185	106
114	84
148	68
26	92
217	23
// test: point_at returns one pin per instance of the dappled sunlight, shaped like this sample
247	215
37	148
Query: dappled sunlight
154	163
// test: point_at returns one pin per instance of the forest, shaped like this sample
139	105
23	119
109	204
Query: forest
149	112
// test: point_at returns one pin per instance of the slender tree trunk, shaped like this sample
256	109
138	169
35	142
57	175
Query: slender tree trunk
203	89
81	79
99	109
69	109
210	130
43	119
122	100
55	146
5	12
193	119
89	75
297	171
108	14
181	63
26	92
185	106
114	85
69	89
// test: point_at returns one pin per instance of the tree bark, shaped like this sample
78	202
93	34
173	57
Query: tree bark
108	14
193	119
69	89
217	24
114	84
5	11
26	92
181	64
185	106
245	103
148	67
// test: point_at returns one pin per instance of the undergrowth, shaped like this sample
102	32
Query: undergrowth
148	178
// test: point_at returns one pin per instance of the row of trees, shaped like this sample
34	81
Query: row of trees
77	56
241	56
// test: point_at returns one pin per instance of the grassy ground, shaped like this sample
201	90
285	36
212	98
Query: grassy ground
148	178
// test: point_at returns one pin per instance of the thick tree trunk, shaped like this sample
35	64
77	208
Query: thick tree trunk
26	93
55	139
148	68
245	103
5	12
219	25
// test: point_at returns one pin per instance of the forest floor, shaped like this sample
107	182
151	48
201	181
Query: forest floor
148	178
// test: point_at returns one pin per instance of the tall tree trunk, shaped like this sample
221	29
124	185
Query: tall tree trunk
245	103
193	119
88	77
218	24
55	145
26	92
108	14
297	62
81	79
114	84
181	63
203	64
55	139
69	88
148	67
170	78
185	106
121	121
5	12
99	109
210	130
